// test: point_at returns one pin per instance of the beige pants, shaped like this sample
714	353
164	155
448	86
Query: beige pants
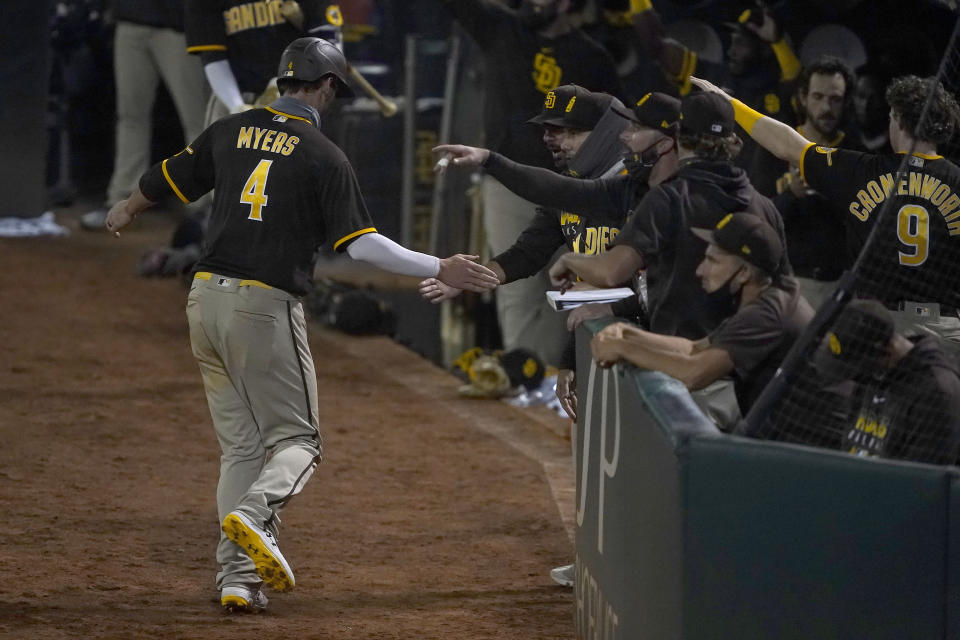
526	320
251	344
142	57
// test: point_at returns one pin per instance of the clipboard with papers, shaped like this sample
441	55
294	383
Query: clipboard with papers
576	297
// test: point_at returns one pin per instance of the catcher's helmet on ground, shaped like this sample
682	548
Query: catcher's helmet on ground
309	59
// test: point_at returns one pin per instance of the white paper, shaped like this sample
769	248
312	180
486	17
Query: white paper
574	298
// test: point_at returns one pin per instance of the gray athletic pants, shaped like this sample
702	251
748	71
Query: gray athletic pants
142	57
526	320
250	341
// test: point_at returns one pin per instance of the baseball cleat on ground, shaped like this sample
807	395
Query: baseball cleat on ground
262	548
241	599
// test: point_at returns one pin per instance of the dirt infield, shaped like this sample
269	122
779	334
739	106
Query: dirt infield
430	516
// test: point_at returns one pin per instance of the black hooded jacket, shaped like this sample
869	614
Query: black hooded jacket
700	194
912	412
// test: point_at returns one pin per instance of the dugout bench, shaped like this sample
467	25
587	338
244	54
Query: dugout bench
684	532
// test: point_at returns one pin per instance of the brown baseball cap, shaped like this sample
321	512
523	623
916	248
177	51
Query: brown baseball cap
571	105
747	236
856	343
655	110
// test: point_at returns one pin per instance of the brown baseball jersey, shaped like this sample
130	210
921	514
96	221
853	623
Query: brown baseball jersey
282	189
916	254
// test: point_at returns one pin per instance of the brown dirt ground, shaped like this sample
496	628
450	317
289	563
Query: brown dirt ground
431	516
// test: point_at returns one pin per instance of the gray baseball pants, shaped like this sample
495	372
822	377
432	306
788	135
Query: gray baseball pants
526	320
250	341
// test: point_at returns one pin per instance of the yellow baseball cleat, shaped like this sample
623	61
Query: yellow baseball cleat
241	599
262	548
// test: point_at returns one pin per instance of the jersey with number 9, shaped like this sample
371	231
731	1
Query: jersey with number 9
917	253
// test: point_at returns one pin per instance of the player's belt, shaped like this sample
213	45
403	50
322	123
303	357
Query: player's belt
206	275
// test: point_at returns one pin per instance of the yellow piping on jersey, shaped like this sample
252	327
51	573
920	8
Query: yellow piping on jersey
287	115
803	155
206	275
354	235
925	156
206	47
172	184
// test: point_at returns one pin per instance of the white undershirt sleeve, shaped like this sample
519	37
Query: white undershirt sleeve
383	252
224	84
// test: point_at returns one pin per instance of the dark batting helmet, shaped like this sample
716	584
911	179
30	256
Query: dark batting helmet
309	59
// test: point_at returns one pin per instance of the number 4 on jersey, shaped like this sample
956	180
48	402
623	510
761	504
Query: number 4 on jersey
254	190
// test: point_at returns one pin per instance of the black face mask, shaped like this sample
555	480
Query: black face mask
535	17
727	286
639	164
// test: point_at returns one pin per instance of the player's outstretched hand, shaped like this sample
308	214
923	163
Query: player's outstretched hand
587	312
436	292
463	272
567	392
118	217
706	85
459	155
560	274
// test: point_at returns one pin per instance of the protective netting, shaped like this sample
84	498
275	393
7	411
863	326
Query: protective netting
876	372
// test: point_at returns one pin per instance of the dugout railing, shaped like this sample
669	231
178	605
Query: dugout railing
684	532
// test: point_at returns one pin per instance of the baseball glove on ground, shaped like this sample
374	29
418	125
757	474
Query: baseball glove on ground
488	379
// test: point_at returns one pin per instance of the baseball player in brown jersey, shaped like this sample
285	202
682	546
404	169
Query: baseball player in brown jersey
239	41
281	190
922	240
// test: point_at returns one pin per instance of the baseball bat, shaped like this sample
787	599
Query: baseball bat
387	107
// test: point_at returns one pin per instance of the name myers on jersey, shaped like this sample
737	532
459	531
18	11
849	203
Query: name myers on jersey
916	184
252	15
266	140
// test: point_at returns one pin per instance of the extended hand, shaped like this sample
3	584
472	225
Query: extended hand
463	272
459	155
567	392
118	217
436	292
587	312
705	85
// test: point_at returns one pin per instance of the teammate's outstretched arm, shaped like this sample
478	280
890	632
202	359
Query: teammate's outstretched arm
460	271
436	291
778	138
459	155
